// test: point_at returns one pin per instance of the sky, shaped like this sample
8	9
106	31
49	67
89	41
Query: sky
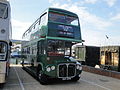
99	19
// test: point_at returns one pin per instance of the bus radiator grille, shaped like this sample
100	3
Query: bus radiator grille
67	70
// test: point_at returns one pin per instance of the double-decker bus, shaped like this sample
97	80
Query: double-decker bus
5	36
47	46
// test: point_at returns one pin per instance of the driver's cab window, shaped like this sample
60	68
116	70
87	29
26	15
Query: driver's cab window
58	48
3	47
3	50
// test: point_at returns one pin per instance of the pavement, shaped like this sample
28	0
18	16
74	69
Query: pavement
19	79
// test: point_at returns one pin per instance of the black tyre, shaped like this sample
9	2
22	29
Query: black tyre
43	79
76	78
1	85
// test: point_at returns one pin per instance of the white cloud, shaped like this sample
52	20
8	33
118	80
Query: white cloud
92	37
69	0
110	2
91	1
85	17
99	38
50	1
115	40
18	28
116	18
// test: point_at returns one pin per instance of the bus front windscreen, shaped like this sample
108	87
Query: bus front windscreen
3	10
61	18
3	50
59	48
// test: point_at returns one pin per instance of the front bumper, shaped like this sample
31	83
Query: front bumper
64	71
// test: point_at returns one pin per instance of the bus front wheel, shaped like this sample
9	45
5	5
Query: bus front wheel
1	85
76	78
42	78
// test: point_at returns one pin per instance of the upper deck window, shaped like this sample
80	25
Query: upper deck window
3	11
61	18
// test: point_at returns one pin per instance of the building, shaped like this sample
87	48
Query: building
110	57
16	48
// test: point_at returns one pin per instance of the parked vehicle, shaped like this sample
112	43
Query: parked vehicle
87	55
5	39
47	46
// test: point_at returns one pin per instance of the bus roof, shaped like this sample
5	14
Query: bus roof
58	10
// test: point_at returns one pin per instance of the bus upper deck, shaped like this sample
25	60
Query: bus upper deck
55	23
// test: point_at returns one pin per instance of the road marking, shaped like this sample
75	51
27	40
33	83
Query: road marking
32	83
13	84
21	84
95	84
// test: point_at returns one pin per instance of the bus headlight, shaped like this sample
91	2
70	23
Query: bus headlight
48	69
78	66
53	68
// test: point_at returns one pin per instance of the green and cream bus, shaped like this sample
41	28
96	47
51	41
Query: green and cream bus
47	46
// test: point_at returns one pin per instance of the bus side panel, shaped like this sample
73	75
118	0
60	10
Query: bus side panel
2	71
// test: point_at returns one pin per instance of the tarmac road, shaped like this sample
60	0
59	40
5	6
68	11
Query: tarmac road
20	80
